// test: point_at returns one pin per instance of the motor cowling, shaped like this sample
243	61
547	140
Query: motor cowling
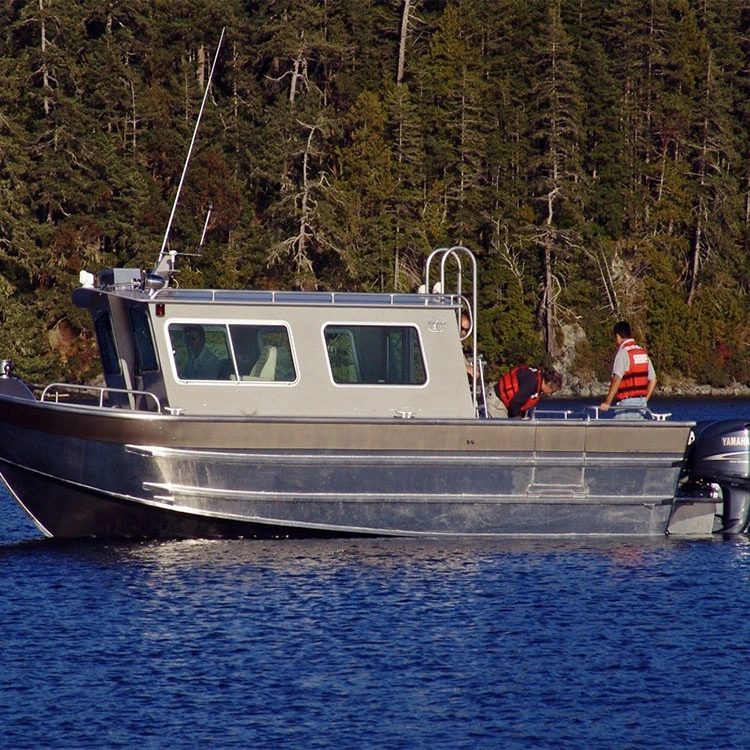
720	454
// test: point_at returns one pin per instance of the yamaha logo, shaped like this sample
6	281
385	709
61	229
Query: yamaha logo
742	440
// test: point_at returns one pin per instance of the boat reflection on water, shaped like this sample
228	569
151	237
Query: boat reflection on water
248	559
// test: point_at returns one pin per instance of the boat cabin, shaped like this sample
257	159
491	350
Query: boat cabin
271	353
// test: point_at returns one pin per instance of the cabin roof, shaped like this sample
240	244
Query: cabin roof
127	283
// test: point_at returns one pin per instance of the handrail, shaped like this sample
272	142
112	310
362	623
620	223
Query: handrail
559	413
94	389
336	299
642	411
588	412
455	252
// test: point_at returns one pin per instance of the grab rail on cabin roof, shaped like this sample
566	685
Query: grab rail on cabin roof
271	297
54	391
123	280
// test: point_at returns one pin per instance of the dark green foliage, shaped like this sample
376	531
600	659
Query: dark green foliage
594	155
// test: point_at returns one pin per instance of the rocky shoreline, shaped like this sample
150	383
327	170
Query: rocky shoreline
575	388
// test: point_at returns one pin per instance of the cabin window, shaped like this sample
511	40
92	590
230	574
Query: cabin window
238	351
105	337
201	351
389	355
263	352
144	341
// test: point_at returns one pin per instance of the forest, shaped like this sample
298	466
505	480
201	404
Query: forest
593	154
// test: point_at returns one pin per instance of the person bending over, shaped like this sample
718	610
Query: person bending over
520	390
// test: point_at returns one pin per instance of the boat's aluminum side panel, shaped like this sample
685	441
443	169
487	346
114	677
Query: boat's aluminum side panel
335	476
74	511
470	436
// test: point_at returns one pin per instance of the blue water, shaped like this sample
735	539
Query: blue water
375	644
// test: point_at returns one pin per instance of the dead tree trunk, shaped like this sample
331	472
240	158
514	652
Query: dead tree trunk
402	41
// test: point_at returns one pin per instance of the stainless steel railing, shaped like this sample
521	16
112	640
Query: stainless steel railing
96	396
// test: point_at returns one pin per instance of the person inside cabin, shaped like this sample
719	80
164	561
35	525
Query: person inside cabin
202	363
633	376
466	342
520	390
468	356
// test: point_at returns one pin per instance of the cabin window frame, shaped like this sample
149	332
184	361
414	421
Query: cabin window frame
178	347
232	370
343	328
286	361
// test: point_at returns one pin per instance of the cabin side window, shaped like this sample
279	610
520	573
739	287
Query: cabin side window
369	355
144	341
201	351
238	351
263	353
105	337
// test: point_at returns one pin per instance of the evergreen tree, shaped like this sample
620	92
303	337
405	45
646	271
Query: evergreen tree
356	210
556	168
594	154
456	127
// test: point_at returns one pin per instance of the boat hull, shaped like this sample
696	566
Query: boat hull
97	472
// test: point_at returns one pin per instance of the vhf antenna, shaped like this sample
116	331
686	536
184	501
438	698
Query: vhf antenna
190	151
205	225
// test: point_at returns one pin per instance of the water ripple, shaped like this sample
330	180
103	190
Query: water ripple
372	644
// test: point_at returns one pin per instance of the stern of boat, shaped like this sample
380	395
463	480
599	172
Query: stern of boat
718	470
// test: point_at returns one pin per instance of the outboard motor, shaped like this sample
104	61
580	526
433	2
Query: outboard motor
720	455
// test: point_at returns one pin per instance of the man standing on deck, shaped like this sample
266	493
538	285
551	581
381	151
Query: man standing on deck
633	376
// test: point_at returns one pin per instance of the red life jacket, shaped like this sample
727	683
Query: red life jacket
508	386
635	380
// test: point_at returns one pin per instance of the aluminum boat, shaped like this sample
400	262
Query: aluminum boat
295	414
228	413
